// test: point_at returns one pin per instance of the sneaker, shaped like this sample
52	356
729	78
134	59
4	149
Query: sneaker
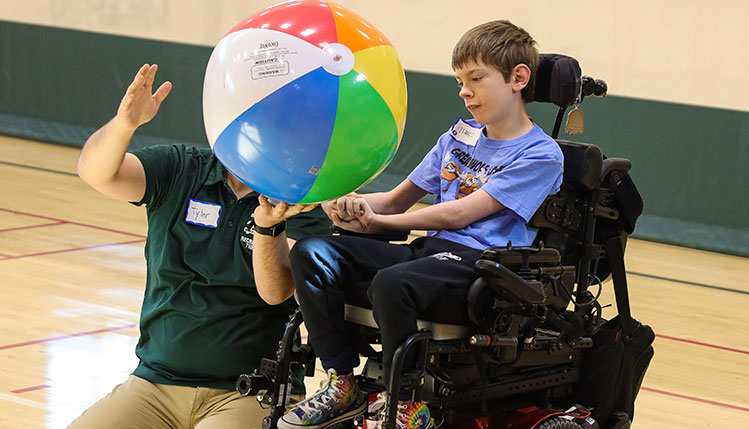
338	399
411	415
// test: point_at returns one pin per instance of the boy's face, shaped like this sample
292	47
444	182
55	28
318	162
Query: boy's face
487	96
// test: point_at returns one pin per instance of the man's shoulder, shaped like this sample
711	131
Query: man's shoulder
195	157
171	163
200	153
179	150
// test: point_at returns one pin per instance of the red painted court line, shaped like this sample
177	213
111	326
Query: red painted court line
64	337
30	389
53	252
697	343
692	398
62	222
71	222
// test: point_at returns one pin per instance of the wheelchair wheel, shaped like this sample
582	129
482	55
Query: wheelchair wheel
558	423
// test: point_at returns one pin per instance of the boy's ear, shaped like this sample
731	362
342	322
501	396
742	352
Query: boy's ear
521	75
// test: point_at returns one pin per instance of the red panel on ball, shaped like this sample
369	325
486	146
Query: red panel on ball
310	20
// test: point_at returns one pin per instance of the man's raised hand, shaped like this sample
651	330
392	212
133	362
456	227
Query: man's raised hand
140	105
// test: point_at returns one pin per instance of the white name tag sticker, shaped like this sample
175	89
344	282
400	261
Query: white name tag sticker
203	214
465	133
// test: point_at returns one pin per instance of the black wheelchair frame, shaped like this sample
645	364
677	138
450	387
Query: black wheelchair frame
524	347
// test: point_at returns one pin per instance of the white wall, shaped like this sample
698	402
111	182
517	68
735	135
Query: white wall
684	51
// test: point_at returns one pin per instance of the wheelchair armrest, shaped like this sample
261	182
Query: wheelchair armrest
615	164
391	235
546	255
510	285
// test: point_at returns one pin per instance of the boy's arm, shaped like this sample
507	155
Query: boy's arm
448	215
104	163
397	200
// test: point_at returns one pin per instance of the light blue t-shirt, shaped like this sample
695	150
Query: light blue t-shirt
518	173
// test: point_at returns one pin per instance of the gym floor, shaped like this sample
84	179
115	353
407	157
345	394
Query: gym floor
72	275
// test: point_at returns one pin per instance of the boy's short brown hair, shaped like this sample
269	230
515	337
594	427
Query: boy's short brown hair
501	44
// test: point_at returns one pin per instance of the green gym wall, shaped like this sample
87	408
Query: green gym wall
677	104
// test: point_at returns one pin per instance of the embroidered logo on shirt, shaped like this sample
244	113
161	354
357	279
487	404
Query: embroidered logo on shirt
445	256
246	238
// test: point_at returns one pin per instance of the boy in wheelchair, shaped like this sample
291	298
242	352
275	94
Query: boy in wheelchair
503	166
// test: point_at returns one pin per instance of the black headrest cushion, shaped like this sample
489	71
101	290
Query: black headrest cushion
557	80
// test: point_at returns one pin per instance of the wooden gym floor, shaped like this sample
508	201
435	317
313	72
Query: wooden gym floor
72	277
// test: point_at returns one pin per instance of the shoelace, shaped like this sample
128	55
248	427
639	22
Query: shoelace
322	396
379	404
377	409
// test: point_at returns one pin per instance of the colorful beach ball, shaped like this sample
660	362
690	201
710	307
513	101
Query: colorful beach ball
304	101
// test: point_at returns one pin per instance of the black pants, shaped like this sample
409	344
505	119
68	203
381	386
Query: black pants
400	281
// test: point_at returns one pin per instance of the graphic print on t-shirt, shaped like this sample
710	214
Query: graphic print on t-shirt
470	173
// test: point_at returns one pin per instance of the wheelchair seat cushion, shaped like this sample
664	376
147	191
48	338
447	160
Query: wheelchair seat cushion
447	317
440	331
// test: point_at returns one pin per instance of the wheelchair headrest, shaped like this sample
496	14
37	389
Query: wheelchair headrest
582	164
558	80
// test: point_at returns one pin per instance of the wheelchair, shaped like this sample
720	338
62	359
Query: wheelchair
516	358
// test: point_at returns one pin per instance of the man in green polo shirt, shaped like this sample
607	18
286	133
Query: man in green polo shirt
218	282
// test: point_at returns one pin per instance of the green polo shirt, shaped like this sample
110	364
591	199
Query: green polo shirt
203	322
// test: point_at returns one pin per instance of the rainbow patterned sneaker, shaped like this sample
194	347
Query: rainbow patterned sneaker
411	415
338	399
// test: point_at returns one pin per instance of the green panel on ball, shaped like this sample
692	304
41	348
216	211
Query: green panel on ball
364	141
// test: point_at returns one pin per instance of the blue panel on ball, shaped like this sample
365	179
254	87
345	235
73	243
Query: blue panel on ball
277	146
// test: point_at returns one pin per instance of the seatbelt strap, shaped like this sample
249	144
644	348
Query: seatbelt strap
482	368
615	258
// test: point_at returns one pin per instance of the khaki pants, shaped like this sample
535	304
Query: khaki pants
138	403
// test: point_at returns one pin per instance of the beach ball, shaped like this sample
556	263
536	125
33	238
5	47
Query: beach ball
304	101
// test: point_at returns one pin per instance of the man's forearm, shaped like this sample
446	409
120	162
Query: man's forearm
270	262
102	155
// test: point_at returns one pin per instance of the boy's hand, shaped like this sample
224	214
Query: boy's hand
345	208
362	220
266	215
139	105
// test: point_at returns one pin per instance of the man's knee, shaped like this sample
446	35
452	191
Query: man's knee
232	411
136	403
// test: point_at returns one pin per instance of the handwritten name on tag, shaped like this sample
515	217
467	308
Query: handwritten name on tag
465	133
202	213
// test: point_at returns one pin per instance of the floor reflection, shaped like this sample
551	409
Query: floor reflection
82	370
